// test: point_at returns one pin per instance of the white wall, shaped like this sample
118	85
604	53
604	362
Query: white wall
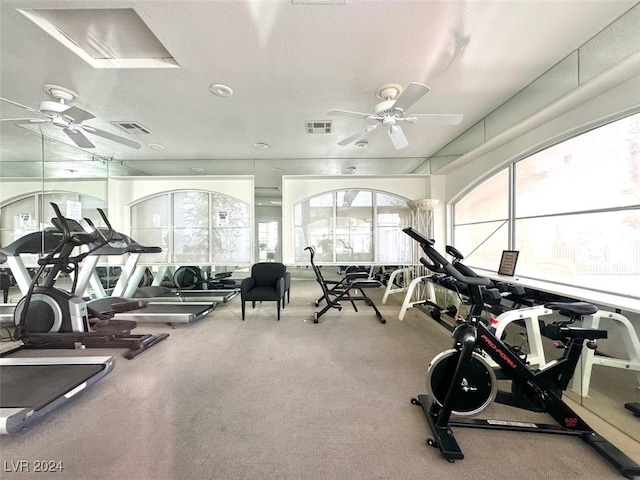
18	187
477	165
595	83
562	120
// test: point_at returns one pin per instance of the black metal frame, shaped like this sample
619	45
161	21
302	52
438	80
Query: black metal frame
342	290
539	390
107	333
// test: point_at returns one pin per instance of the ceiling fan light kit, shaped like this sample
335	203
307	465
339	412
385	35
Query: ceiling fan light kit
391	111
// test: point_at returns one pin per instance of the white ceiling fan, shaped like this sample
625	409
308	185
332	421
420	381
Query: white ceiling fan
68	117
392	111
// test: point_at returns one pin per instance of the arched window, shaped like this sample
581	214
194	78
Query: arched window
193	227
572	210
353	227
33	212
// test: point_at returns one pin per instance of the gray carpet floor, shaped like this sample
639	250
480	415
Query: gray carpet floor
262	399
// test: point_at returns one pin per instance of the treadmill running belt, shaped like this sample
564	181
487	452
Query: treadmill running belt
45	383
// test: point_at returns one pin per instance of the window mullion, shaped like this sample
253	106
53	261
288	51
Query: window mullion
512	208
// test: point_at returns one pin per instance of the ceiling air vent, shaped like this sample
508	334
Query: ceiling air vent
134	128
319	127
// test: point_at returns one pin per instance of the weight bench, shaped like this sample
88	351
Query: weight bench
343	290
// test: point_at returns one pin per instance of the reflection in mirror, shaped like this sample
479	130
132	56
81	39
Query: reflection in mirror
193	227
35	170
74	179
353	227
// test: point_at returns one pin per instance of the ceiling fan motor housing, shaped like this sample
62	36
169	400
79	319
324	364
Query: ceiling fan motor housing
384	108
49	107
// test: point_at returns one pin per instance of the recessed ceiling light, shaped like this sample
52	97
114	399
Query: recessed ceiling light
362	144
156	146
351	169
197	169
275	169
221	90
261	146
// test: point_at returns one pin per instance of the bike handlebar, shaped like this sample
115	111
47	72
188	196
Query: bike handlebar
437	263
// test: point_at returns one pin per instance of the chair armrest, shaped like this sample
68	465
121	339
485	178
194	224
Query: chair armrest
247	284
281	287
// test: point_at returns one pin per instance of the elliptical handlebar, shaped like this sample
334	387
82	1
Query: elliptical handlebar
99	233
437	263
78	236
106	222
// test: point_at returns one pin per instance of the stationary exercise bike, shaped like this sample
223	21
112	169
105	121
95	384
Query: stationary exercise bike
49	317
461	382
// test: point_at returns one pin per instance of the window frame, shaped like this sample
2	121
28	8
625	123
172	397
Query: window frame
301	256
512	166
169	252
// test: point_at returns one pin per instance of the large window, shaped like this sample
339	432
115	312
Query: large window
193	227
574	213
33	212
481	221
353	227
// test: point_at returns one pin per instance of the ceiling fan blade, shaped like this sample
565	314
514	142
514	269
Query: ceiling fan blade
111	136
435	119
21	105
78	138
398	138
347	113
78	114
358	136
24	120
414	92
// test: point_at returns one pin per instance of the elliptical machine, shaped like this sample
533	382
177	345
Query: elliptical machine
461	382
49	317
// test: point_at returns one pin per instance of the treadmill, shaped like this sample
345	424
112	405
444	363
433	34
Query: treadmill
160	294
35	243
174	312
132	274
30	388
32	243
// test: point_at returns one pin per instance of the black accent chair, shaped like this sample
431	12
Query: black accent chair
343	290
287	287
267	283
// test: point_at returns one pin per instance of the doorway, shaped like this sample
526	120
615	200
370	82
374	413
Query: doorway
269	241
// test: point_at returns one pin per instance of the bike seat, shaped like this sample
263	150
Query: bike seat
355	276
365	284
578	308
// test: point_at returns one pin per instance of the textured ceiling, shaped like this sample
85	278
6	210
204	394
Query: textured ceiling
287	64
